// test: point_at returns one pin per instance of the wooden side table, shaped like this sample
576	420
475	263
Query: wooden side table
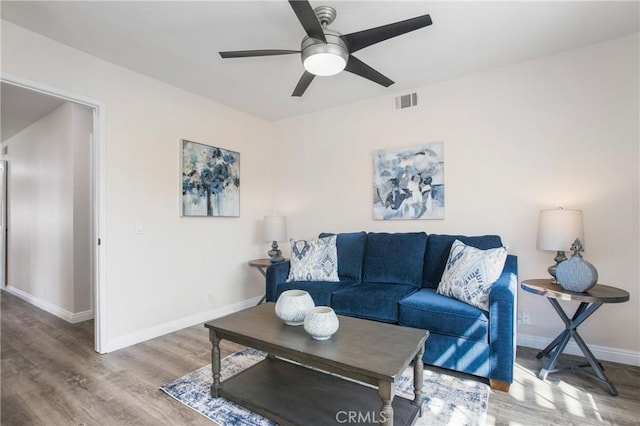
261	265
589	302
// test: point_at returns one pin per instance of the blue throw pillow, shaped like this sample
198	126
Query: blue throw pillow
470	273
438	248
394	258
313	260
350	247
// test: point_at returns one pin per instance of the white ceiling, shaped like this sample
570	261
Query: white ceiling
21	107
177	42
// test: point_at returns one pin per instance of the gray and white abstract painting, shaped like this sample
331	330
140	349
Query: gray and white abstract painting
408	183
210	180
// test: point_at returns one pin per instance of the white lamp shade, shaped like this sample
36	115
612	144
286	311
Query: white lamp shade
559	228
275	228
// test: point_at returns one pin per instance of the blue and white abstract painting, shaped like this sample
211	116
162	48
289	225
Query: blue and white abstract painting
210	180
408	183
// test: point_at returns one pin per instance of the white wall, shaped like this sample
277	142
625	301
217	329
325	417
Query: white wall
180	270
48	212
561	130
558	131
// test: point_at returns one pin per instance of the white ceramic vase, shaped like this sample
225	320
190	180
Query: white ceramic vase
321	322
292	306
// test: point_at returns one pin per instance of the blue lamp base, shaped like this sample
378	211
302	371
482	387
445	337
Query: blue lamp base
560	257
275	253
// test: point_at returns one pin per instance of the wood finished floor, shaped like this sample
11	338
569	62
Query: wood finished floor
52	376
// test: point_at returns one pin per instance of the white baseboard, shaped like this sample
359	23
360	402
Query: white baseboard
50	307
82	316
601	352
169	327
537	342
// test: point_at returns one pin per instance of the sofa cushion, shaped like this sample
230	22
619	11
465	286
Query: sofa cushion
375	301
470	273
314	260
444	315
437	253
350	247
458	353
394	258
319	291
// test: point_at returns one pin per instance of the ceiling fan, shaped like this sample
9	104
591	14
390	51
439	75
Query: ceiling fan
327	52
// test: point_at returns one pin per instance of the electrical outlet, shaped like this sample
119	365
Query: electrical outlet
524	318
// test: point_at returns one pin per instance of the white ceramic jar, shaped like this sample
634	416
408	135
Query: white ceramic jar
292	306
321	322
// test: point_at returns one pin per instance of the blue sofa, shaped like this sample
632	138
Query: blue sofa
393	278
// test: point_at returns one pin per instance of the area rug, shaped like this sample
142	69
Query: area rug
447	400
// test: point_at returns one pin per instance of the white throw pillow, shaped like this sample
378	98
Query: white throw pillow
314	260
470	273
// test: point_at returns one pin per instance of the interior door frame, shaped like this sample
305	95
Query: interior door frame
97	167
4	174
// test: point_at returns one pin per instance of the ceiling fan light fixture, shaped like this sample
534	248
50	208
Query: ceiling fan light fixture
324	59
324	64
327	52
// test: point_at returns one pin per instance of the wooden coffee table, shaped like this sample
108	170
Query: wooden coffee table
292	394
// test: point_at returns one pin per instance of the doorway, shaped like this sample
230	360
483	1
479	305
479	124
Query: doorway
95	185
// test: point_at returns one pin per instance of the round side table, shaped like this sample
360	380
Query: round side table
590	301
262	265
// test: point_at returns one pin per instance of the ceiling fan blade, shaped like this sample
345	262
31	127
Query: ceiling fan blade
361	39
303	83
308	19
356	66
250	53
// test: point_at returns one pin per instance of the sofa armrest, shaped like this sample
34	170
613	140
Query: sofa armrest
502	320
277	274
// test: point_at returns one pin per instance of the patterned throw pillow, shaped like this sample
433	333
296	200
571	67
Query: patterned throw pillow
314	260
470	273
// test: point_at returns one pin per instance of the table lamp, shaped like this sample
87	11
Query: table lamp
557	230
275	229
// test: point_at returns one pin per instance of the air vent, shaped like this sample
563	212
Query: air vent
406	101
